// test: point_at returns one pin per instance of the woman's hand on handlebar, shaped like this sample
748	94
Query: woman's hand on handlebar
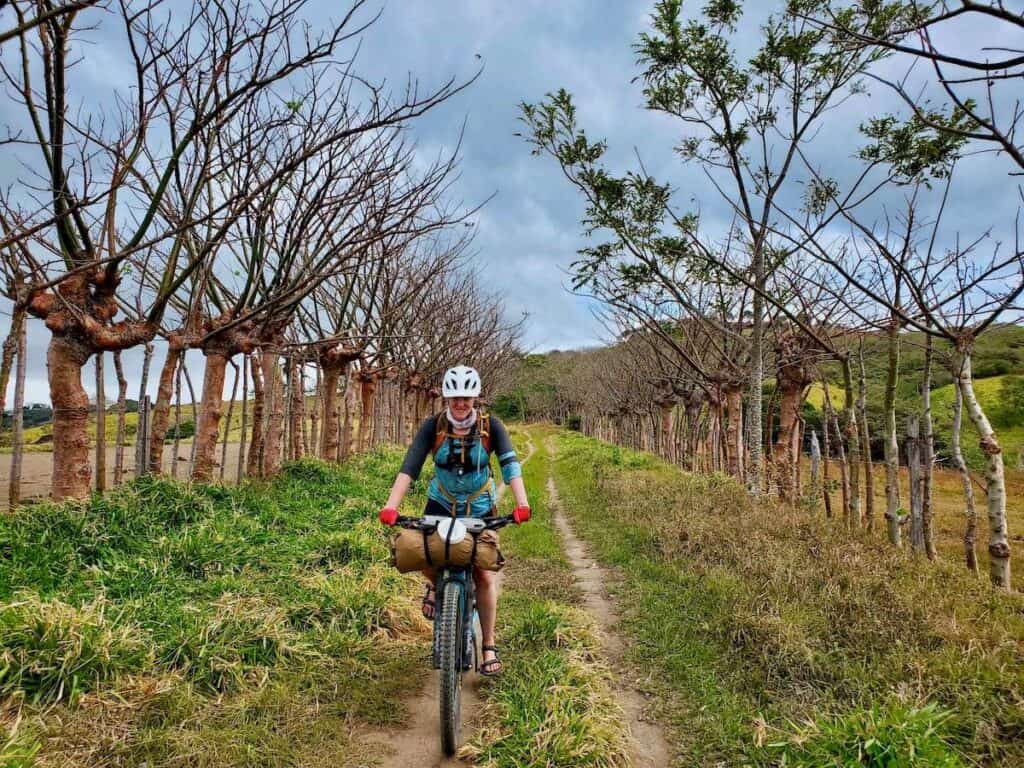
521	514
388	516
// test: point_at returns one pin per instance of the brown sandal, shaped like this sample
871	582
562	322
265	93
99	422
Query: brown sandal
428	605
487	668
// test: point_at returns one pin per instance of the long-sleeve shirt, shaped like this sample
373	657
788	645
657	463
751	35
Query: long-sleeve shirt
462	465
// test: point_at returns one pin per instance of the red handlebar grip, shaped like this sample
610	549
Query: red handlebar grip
521	515
388	516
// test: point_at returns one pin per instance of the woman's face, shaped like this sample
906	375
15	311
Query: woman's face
461	406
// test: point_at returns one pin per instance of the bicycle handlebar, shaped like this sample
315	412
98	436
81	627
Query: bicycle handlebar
490	523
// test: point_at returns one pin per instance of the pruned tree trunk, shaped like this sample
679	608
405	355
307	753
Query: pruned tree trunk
815	459
693	426
333	374
295	412
826	483
754	472
665	427
147	361
227	425
162	407
208	429
71	469
844	467
784	456
865	446
194	407
101	426
314	415
10	353
367	391
144	429
255	459
244	427
380	404
119	439
401	427
970	514
914	472
734	404
346	428
18	414
995	482
853	509
273	413
304	448
177	417
927	454
893	518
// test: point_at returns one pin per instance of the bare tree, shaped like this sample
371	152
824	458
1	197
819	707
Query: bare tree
128	192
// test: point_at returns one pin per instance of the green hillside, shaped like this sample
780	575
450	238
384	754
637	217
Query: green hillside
1005	415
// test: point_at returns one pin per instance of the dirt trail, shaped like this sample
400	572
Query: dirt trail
648	747
417	744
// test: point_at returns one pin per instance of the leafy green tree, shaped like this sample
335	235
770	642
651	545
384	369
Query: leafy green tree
747	122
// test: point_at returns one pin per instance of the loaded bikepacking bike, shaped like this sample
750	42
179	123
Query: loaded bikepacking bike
454	634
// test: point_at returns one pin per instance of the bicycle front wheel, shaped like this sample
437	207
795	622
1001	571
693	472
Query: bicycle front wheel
451	665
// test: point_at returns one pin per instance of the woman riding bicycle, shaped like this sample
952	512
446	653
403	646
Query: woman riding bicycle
462	439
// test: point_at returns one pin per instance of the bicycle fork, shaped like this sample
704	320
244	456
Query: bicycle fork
469	613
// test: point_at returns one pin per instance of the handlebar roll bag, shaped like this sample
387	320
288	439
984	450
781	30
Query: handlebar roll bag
414	550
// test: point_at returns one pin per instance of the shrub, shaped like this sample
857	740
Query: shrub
182	430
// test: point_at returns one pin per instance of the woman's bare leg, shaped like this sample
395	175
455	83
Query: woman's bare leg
486	605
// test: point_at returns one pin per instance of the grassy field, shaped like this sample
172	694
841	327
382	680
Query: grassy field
774	637
170	625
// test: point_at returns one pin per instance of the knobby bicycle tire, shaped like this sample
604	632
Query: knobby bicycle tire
451	666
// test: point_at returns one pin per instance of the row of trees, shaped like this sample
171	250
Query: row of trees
813	254
246	193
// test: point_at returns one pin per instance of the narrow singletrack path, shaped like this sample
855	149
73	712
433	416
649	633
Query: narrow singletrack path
417	743
648	745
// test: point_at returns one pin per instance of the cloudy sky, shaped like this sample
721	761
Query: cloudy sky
529	232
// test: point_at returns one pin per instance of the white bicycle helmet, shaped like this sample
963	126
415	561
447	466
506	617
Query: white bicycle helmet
461	381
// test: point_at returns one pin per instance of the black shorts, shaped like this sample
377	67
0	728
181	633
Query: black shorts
435	507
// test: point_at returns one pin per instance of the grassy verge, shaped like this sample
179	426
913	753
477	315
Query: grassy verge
777	640
553	706
164	624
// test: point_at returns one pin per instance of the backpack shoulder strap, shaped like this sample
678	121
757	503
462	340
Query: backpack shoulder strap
483	425
440	431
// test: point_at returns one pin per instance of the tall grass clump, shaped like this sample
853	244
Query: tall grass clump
167	620
756	617
898	737
51	651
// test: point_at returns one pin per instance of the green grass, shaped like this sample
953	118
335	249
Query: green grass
172	624
775	638
553	705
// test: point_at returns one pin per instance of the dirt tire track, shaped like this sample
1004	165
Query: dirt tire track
418	743
648	746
